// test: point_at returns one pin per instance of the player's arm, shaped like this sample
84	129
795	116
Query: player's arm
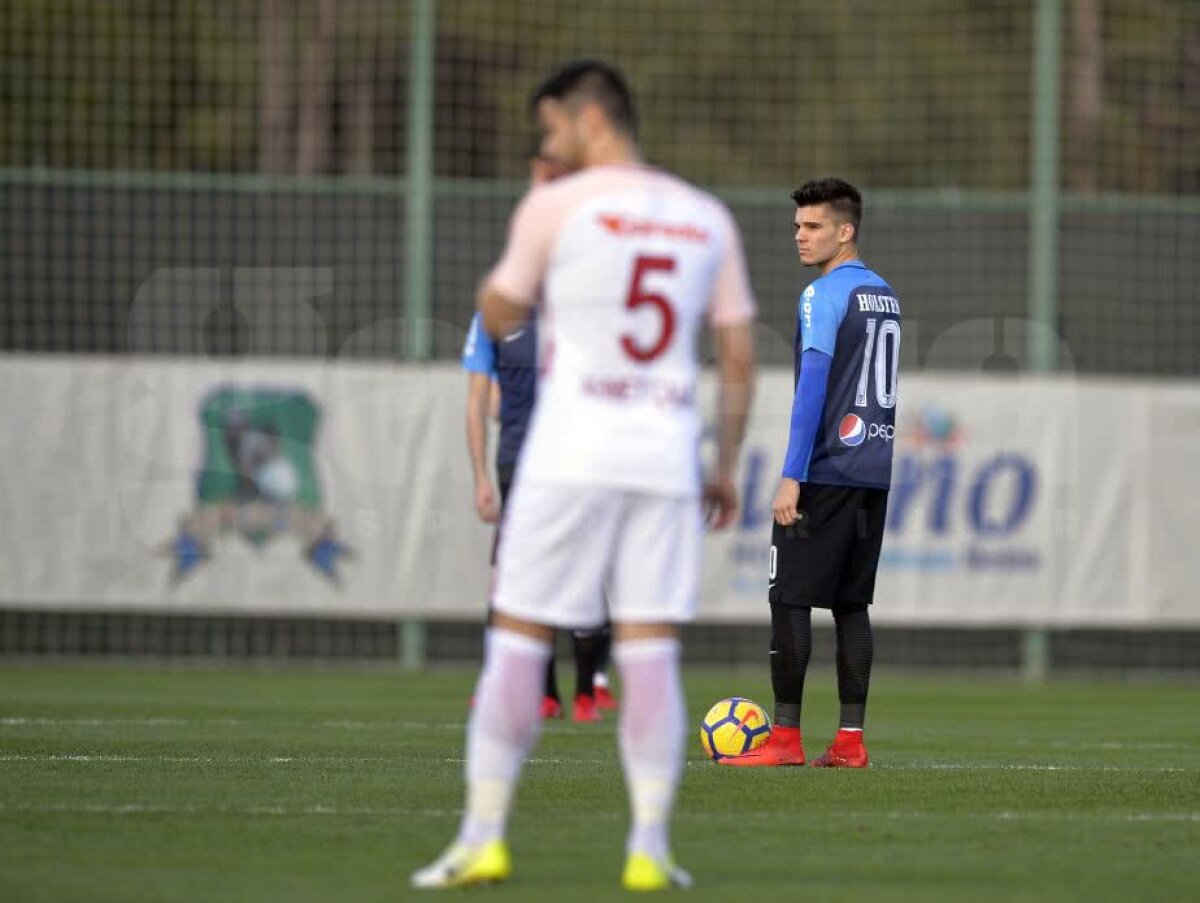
736	375
819	323
510	290
500	313
494	401
479	388
479	360
731	316
807	406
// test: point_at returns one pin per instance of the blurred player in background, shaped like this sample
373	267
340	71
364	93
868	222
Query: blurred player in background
830	507
629	262
512	365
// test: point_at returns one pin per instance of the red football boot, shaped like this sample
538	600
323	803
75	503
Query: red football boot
784	747
605	699
846	751
551	708
585	709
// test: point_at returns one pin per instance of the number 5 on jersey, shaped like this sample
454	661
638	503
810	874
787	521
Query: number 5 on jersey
640	295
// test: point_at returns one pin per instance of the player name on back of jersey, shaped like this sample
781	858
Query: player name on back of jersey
869	303
660	392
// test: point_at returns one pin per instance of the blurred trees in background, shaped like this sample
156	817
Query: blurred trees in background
914	94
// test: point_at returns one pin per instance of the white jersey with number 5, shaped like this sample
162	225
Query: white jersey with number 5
629	261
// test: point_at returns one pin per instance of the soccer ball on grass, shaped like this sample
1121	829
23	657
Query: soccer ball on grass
734	727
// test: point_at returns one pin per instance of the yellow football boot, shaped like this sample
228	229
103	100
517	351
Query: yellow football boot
643	873
462	866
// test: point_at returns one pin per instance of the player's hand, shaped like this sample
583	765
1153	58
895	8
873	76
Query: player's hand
786	506
720	503
543	169
486	504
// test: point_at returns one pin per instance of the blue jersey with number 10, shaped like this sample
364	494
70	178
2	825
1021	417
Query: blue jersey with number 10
853	316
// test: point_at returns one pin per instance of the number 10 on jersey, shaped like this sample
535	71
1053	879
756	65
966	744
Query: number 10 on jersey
883	342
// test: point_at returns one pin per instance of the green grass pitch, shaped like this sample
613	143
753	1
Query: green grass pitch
143	784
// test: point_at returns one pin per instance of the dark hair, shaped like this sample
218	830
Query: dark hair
837	193
595	81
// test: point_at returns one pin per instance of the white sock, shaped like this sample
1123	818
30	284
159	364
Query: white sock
504	726
651	734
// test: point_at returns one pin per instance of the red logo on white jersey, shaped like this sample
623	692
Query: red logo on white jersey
625	227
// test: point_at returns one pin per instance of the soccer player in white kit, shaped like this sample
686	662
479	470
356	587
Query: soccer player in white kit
609	493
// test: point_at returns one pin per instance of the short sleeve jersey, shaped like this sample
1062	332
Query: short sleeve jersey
853	316
629	262
512	362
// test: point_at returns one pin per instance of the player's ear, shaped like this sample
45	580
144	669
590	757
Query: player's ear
847	232
592	118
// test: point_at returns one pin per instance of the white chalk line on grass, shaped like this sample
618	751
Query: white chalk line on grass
449	726
615	815
103	758
544	761
188	809
14	721
107	758
100	757
237	722
1096	744
551	728
89	722
1018	766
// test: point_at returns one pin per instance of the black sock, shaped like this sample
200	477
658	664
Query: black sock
791	647
604	648
551	678
588	646
855	649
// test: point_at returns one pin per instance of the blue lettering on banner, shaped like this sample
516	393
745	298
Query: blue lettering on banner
985	521
989	512
753	514
990	504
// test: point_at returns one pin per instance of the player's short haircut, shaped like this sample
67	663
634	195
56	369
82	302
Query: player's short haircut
587	80
838	194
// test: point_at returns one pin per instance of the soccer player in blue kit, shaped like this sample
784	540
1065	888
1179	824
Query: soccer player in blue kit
512	364
831	504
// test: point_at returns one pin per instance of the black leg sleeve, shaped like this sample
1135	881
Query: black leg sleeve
551	677
791	648
855	650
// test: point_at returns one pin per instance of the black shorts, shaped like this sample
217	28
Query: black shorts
830	559
504	477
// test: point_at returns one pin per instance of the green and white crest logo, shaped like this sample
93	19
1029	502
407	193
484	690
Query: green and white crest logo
257	479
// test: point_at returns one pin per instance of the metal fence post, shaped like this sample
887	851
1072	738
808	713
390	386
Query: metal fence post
1044	189
418	236
1044	214
418	182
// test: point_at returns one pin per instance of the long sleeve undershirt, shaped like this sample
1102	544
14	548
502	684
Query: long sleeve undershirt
807	406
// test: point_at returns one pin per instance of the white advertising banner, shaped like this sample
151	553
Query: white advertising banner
217	487
336	489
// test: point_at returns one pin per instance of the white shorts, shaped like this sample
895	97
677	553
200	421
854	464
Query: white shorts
574	556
